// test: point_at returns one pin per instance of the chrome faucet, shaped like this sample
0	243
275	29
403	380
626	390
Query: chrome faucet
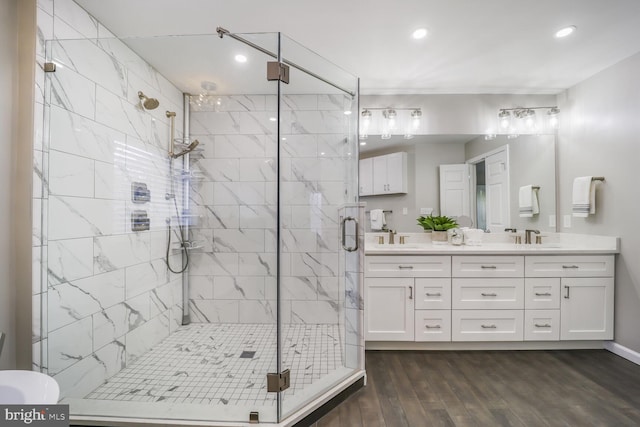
391	237
527	235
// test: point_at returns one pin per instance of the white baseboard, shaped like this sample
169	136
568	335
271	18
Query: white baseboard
622	351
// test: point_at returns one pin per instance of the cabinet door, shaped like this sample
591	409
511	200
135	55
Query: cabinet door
366	177
379	174
454	190
396	172
389	309
586	309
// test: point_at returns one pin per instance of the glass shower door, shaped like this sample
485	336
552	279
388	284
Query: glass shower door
319	279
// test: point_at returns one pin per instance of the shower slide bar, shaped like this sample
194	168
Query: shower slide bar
223	32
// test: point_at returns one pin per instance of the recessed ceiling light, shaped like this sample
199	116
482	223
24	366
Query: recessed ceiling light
241	58
420	33
564	32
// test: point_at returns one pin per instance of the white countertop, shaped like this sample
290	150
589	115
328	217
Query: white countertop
495	244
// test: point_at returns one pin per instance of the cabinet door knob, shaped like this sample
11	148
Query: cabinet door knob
488	326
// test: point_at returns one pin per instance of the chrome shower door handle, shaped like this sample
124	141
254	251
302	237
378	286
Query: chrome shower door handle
344	234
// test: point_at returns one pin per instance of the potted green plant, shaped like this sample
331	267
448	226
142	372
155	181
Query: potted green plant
438	226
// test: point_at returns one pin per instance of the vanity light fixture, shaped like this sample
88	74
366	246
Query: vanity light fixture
388	121
525	119
564	32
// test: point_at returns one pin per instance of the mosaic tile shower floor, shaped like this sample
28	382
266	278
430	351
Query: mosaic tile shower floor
225	364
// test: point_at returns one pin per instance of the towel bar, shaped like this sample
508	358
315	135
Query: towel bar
382	211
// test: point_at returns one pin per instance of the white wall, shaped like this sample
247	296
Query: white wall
599	136
8	136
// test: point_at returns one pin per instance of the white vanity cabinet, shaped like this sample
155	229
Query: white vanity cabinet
489	298
408	298
584	285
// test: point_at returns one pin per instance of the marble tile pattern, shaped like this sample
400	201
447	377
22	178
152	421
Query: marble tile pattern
235	196
102	294
224	364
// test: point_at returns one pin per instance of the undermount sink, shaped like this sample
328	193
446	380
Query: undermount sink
27	387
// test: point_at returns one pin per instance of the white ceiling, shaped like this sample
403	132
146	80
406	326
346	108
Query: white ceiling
473	46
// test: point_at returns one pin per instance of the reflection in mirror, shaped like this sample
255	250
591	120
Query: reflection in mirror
502	167
531	162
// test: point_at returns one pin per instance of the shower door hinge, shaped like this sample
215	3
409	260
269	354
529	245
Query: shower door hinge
277	71
49	67
278	382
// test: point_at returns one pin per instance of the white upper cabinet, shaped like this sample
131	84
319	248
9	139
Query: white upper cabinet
366	177
383	174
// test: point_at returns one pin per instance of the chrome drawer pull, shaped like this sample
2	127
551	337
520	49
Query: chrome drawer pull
546	325
433	326
437	294
570	266
488	326
484	294
405	267
543	294
488	267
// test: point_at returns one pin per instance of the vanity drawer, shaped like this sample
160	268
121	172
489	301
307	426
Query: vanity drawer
433	294
501	293
433	325
487	266
569	266
542	325
542	293
407	266
486	325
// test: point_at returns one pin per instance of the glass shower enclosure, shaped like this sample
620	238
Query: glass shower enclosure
202	240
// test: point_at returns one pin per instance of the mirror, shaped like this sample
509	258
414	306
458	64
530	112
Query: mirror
531	162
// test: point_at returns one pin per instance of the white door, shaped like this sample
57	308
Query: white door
454	190
380	175
389	309
586	309
497	186
366	177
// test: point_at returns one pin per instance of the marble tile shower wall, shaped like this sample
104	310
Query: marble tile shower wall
102	295
233	277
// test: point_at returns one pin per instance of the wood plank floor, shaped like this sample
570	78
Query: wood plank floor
493	388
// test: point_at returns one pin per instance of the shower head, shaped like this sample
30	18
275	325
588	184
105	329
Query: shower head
148	103
189	149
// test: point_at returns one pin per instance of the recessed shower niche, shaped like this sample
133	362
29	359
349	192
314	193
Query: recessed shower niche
193	233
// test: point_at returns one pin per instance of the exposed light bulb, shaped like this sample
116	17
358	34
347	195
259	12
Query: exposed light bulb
553	121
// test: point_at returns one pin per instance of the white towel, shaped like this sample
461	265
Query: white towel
584	196
528	201
378	220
